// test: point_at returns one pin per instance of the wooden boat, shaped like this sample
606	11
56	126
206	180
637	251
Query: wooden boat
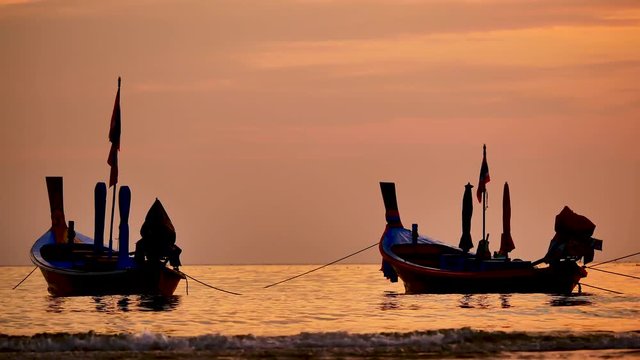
74	264
426	265
78	271
78	265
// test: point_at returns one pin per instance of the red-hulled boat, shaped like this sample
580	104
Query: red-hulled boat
426	265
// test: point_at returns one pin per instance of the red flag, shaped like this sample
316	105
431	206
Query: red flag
114	138
484	175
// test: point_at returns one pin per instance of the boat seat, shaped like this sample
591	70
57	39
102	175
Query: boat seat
99	262
422	254
78	256
454	262
504	265
422	249
56	252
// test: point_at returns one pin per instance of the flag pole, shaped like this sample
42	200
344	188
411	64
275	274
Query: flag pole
482	189
114	137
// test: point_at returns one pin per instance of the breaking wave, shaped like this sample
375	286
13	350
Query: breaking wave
447	341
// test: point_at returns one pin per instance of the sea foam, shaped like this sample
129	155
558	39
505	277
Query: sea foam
463	340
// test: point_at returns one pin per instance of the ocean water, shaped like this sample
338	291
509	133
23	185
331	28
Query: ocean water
347	311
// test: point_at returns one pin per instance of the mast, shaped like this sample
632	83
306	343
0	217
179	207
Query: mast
114	138
482	189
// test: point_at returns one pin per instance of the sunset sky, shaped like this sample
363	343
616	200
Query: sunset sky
264	127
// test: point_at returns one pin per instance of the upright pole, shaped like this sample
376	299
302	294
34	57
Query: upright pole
113	207
124	205
484	210
100	204
114	138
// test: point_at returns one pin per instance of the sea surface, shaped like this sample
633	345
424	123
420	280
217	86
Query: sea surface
344	311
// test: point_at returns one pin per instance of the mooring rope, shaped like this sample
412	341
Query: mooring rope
599	288
211	286
615	273
608	261
25	278
323	266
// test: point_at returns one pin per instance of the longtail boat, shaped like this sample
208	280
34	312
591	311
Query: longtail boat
78	272
73	264
427	265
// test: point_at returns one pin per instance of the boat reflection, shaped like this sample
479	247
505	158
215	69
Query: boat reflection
390	301
483	301
570	300
123	303
158	303
55	304
471	301
505	301
126	303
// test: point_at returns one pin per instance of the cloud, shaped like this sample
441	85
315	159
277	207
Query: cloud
14	2
200	85
538	47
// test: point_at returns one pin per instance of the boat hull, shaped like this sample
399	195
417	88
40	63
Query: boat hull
556	279
470	274
69	278
162	282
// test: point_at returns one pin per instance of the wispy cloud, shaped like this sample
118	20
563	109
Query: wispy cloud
13	2
201	85
543	47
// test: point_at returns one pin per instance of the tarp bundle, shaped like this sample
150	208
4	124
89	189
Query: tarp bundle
573	238
158	237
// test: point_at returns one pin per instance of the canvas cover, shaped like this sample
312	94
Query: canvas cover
158	237
573	238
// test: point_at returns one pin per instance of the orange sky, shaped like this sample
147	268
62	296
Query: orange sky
264	127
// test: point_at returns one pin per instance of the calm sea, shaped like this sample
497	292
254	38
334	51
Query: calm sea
347	311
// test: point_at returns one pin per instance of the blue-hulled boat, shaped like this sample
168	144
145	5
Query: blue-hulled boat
78	270
74	264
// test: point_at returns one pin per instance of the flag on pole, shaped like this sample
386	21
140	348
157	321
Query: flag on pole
484	175
114	138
